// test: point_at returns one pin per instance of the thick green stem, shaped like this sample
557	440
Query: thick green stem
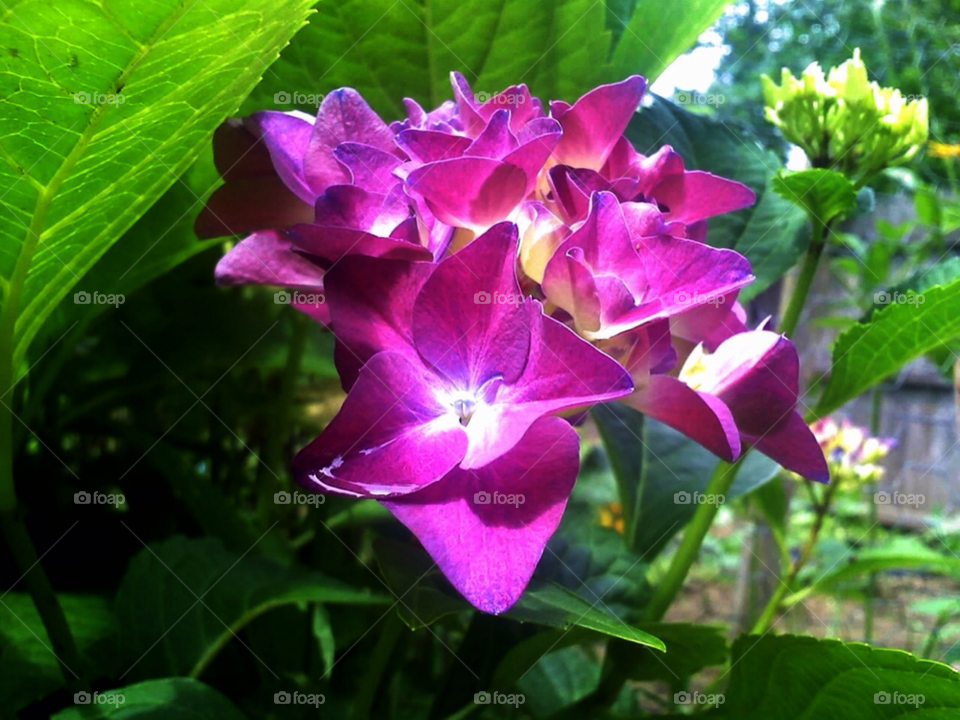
693	536
808	271
25	556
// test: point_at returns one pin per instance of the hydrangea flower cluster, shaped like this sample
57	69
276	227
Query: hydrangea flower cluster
853	455
491	270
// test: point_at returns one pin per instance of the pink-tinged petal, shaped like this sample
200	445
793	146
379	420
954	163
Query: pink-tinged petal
245	205
470	320
467	106
533	154
541	233
698	415
644	350
267	258
496	140
563	372
391	436
237	152
470	192
710	324
793	445
349	206
317	311
665	162
489	551
757	375
333	243
523	107
426	146
370	168
286	136
371	306
697	195
344	116
571	190
595	122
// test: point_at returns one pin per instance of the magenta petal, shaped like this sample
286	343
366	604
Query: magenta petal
496	140
595	122
470	192
489	551
316	311
533	154
245	205
793	445
467	106
470	320
267	258
425	146
344	116
391	437
371	307
371	168
333	243
286	137
700	416
696	195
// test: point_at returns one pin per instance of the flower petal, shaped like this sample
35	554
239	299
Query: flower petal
286	137
267	258
792	444
490	551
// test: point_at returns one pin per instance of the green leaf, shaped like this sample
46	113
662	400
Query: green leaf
166	699
919	318
654	463
159	79
690	649
826	194
561	49
805	678
165	581
772	233
28	668
897	554
427	596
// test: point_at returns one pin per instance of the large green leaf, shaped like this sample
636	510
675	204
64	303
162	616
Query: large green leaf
76	175
390	50
913	320
653	463
158	601
804	678
772	233
690	649
826	194
166	699
426	596
28	668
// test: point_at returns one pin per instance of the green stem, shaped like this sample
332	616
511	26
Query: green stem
808	271
389	636
693	536
38	585
876	406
